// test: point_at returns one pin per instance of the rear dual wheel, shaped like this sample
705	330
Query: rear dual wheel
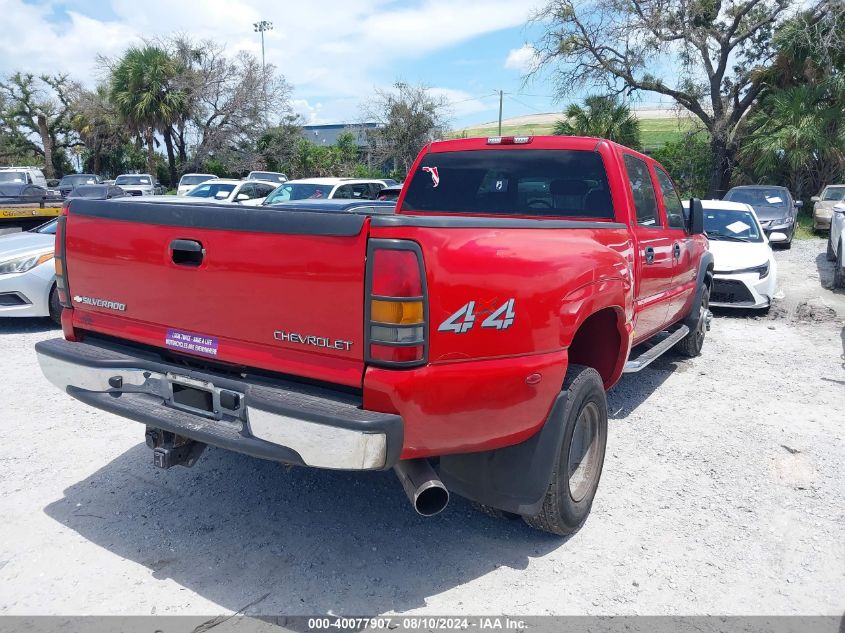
580	457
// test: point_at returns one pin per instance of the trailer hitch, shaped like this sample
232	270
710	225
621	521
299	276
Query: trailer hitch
171	450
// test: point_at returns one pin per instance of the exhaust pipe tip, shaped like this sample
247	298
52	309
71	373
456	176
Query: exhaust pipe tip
422	486
431	500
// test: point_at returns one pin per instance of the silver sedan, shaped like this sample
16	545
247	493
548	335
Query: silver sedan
28	274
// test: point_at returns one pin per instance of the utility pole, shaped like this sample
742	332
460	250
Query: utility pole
501	96
260	27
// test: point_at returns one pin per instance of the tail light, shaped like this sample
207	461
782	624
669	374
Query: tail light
397	304
61	267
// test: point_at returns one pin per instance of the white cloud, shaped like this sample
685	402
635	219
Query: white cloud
524	59
460	103
330	50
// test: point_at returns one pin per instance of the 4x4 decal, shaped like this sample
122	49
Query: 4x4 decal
464	319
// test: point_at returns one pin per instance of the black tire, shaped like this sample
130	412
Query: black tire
496	513
831	254
55	306
838	272
566	506
690	346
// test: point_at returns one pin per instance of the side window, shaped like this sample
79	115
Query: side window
263	190
343	192
248	191
671	200
645	201
375	190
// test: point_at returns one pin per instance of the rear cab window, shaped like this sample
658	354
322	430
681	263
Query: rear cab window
523	182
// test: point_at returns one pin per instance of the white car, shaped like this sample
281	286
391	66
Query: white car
248	192
326	189
23	175
745	271
189	181
136	184
28	274
268	176
836	245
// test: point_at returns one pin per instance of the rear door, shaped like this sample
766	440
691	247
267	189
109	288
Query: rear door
245	286
685	272
655	261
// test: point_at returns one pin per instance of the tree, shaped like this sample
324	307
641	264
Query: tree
408	118
143	91
603	117
704	54
277	145
795	133
689	162
227	109
38	108
99	126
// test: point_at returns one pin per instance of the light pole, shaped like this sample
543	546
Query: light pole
260	27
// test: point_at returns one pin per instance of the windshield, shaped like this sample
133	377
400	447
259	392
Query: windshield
267	175
46	229
759	197
211	189
194	180
93	192
12	176
555	183
133	180
834	193
78	179
731	225
298	191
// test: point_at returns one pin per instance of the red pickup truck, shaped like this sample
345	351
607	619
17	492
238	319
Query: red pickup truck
474	328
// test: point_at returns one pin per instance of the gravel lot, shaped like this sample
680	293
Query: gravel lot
722	493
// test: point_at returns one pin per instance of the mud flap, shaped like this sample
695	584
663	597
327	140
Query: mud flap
514	478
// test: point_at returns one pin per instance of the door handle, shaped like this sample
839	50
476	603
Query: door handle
649	255
677	250
186	252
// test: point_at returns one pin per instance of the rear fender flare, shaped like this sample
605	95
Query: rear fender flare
704	277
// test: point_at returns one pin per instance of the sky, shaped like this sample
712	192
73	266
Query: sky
334	53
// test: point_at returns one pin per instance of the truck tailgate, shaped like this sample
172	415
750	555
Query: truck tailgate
278	290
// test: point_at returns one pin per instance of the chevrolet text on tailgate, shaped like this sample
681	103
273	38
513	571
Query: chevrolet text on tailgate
480	323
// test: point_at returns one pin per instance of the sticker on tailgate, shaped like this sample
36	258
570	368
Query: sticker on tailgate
191	342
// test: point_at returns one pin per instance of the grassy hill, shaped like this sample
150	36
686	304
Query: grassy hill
656	128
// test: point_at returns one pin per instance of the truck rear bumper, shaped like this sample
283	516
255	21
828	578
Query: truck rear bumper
277	420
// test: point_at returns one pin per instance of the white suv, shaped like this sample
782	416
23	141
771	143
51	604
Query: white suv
325	189
248	192
136	184
24	175
836	244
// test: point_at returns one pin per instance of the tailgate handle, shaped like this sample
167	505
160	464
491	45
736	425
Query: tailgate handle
186	252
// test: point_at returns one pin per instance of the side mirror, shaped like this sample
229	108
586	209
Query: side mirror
696	217
815	199
777	238
799	203
839	208
242	196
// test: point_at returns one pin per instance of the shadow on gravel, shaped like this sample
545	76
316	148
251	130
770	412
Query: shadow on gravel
825	269
235	530
27	325
634	389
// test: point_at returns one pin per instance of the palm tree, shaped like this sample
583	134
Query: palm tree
142	90
602	117
797	136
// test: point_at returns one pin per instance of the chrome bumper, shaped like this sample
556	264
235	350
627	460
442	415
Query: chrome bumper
282	421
